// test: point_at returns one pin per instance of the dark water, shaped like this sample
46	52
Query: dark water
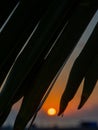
55	128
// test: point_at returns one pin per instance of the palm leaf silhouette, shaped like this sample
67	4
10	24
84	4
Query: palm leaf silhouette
33	48
79	69
90	80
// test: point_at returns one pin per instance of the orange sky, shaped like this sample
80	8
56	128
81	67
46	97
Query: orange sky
72	116
53	99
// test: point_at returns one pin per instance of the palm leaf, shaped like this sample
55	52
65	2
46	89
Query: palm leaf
90	80
79	69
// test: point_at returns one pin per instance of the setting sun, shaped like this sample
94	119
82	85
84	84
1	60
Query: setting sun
51	111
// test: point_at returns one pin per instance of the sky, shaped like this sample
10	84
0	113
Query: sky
72	116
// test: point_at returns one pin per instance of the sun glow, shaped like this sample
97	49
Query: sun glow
51	111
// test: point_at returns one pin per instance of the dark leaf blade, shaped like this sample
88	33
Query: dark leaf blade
6	7
79	69
4	116
6	39
21	22
39	86
90	80
34	51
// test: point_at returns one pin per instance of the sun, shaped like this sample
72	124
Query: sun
51	111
